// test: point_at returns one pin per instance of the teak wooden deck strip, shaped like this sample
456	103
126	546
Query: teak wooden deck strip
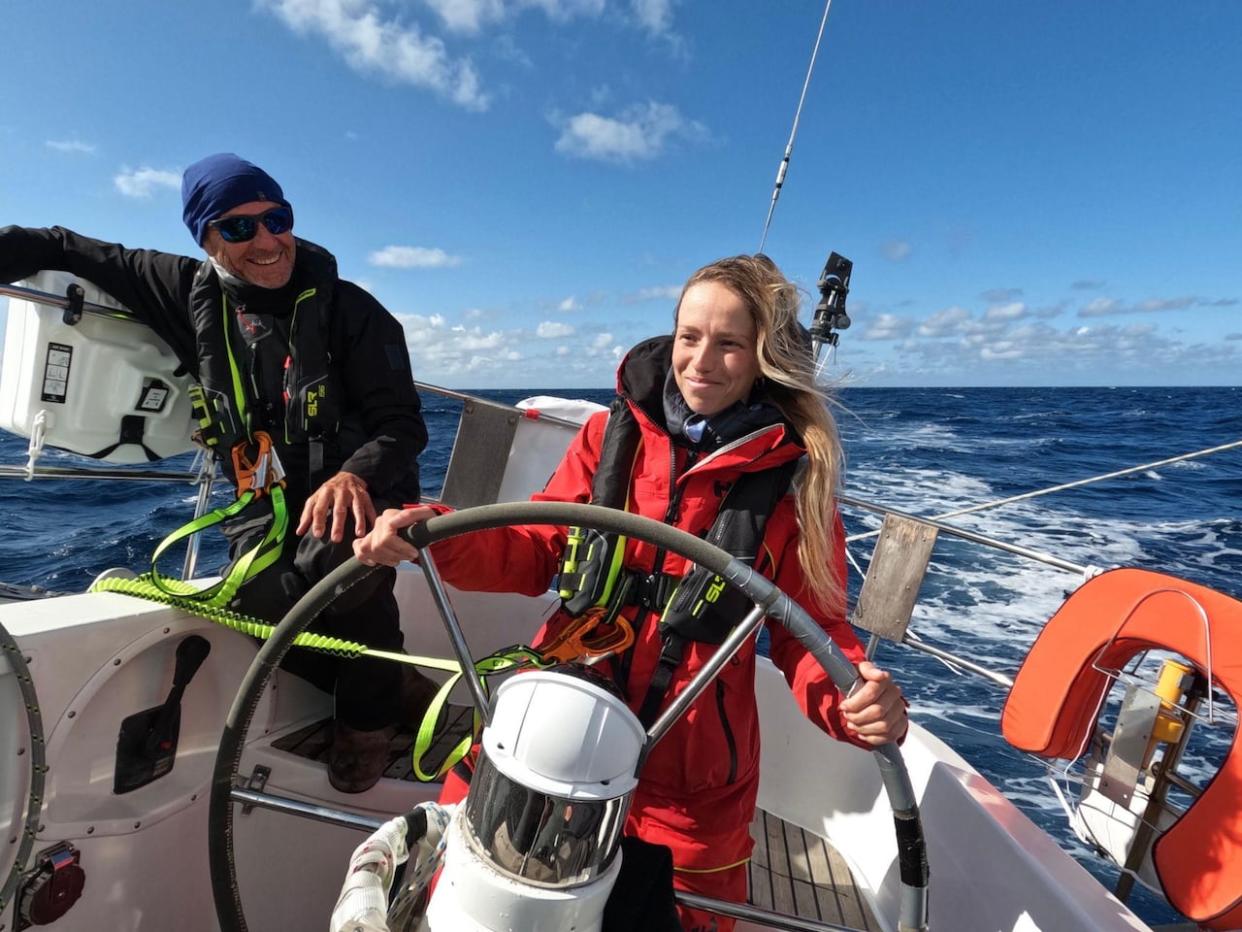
796	872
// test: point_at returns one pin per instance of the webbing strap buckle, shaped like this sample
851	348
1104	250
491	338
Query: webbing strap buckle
654	590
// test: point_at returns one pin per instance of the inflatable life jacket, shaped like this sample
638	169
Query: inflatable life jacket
1058	693
699	606
242	356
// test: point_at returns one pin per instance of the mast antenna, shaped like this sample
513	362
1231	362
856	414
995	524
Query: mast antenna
793	133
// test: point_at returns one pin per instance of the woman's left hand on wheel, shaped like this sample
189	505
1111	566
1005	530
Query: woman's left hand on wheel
875	712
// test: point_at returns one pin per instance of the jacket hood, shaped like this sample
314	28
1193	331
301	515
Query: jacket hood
640	377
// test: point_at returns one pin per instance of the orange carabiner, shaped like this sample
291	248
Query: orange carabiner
256	465
580	639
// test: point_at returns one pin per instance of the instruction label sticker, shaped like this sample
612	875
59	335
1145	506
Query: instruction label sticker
56	372
154	396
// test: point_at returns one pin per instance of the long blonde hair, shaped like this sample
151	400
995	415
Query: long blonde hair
785	361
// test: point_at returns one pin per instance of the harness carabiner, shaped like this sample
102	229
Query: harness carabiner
256	465
596	633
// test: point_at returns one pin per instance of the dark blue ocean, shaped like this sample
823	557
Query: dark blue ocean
925	451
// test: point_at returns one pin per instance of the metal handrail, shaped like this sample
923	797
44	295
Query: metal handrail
52	300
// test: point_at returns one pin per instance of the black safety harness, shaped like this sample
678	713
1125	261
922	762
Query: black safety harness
286	357
246	361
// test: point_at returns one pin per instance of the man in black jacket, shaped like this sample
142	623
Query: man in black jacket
279	343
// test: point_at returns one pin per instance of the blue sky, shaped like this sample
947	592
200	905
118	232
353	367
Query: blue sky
1031	193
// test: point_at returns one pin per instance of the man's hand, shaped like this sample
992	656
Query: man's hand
340	495
875	712
385	545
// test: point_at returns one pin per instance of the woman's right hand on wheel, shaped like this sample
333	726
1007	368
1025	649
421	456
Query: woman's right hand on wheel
384	545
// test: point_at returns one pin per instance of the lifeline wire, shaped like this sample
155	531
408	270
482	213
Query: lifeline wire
780	173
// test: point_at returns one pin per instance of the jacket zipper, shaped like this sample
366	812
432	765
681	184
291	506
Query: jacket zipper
292	395
728	732
674	500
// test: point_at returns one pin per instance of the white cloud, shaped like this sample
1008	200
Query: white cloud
639	133
412	257
1164	304
1101	307
569	304
1001	349
1024	353
654	293
467	16
1015	311
896	250
655	16
888	327
562	10
552	330
143	182
471	356
1098	307
70	145
371	45
944	323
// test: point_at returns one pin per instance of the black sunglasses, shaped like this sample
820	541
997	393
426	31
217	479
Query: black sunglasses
243	227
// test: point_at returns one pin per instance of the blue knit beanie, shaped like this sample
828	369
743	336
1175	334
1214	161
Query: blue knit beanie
217	184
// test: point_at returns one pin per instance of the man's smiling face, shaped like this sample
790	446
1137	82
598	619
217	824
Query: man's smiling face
266	260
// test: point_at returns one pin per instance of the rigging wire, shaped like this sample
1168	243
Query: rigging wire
1066	485
793	133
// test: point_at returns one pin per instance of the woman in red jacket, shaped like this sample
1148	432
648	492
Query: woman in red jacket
731	393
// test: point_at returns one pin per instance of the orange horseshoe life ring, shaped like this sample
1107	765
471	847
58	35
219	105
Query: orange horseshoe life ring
1057	696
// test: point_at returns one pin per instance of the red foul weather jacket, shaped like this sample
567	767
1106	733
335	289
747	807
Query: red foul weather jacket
697	789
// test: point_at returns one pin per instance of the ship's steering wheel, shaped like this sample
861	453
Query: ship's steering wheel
768	599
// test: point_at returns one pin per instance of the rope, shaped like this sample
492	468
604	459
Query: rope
793	133
1066	485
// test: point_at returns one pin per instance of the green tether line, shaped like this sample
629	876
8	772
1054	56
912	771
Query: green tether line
145	588
249	564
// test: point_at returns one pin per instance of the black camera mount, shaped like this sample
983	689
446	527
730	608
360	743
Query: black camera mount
830	316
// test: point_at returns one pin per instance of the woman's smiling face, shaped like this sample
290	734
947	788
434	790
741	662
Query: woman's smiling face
715	360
